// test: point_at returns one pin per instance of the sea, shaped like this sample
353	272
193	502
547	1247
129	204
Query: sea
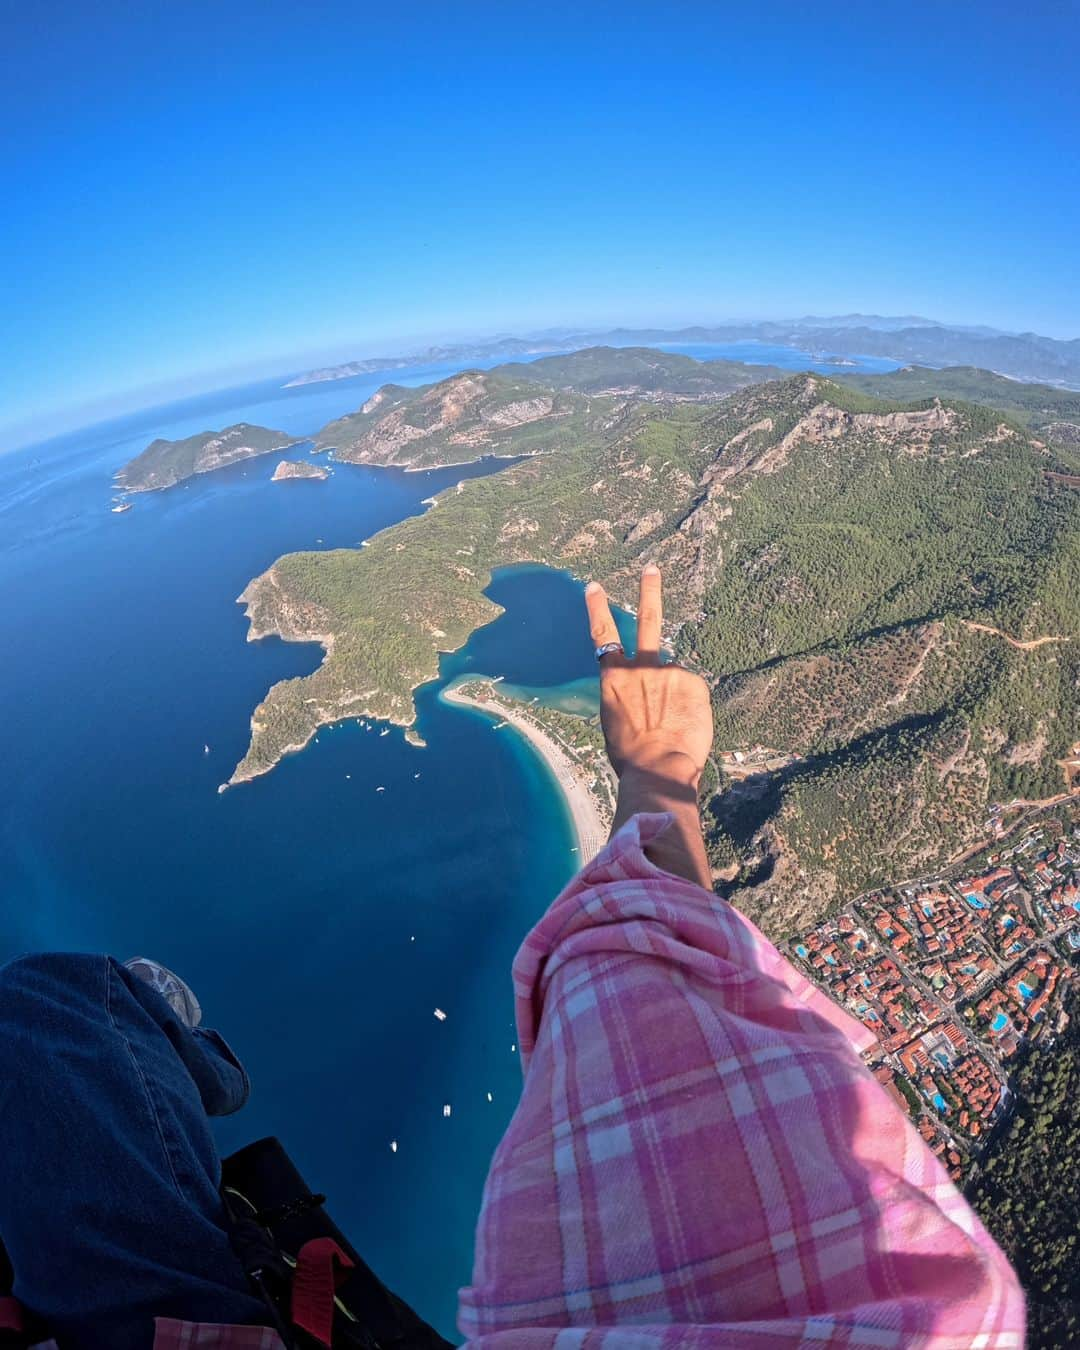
321	922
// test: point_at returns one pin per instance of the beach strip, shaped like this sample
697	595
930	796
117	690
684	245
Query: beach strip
591	827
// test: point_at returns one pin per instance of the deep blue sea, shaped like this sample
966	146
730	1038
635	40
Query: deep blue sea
320	922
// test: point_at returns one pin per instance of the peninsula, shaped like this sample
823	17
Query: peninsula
299	468
165	463
841	566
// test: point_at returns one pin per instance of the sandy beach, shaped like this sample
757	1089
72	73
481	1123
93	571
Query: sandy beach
590	824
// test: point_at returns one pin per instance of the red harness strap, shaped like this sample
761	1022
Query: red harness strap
11	1317
320	1267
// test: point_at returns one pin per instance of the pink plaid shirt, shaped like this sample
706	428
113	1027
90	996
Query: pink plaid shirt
699	1158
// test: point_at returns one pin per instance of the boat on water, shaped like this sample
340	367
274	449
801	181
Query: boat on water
121	507
385	732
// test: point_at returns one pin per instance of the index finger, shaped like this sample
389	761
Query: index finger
601	623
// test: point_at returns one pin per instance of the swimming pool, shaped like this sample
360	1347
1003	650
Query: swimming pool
939	1101
1000	1022
1025	990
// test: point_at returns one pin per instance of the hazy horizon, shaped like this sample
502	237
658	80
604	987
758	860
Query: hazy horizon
243	190
130	402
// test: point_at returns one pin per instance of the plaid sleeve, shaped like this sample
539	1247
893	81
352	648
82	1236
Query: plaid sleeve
700	1158
171	1334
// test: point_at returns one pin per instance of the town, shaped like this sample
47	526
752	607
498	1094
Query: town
955	974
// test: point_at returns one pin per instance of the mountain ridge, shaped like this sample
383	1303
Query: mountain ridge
808	533
1026	356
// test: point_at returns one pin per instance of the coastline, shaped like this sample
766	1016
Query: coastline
591	828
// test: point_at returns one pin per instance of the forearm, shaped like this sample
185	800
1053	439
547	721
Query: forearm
671	786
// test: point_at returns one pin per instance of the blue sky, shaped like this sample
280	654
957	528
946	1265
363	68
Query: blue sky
195	193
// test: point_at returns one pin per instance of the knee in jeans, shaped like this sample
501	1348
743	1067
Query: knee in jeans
27	979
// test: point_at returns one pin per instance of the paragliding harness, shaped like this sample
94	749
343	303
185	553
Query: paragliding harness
316	1289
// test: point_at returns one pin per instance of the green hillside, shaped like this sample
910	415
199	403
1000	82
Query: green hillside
461	419
640	370
832	562
1027	1189
1052	412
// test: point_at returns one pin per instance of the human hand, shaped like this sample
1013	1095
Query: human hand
656	718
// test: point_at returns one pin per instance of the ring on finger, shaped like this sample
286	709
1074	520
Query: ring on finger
607	648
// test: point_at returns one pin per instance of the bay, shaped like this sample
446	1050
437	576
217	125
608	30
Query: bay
320	921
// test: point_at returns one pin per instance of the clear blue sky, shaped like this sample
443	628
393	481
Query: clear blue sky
199	190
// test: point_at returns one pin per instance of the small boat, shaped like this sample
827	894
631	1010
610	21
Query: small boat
348	775
380	789
206	749
385	732
490	1097
121	507
393	1145
446	1111
440	1014
416	775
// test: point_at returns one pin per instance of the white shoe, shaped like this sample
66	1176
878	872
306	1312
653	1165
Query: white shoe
171	987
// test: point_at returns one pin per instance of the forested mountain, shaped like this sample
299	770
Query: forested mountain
886	596
1052	413
521	408
1022	356
1027	1188
462	418
641	370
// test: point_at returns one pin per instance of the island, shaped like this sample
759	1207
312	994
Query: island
164	463
299	468
843	568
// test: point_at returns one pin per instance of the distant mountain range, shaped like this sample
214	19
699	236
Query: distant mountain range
524	401
1020	356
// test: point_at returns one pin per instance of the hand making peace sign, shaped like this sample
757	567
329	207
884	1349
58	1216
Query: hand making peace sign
656	717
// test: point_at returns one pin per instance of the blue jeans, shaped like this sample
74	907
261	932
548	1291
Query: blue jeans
109	1205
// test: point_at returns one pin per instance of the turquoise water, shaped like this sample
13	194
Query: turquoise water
939	1101
1000	1022
1026	990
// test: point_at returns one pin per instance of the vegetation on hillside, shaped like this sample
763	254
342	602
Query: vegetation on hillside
640	370
1027	1190
853	575
461	419
1052	412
